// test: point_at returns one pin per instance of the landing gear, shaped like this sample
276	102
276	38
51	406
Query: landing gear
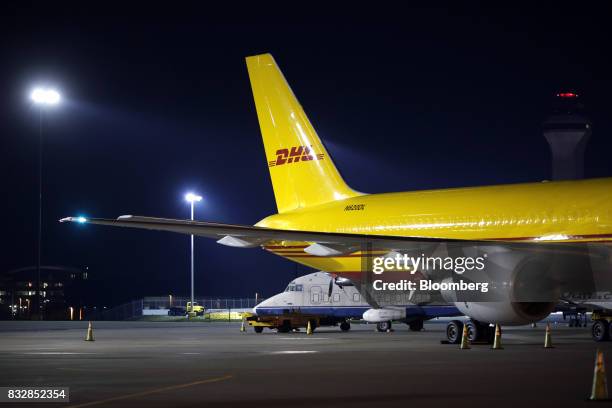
454	330
416	325
476	331
345	326
285	327
601	330
258	329
383	326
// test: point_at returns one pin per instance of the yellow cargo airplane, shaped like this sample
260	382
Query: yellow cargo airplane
323	223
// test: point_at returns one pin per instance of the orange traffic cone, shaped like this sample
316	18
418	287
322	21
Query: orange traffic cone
90	336
465	341
547	338
497	342
599	392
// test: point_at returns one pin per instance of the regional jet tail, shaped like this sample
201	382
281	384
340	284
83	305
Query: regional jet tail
535	235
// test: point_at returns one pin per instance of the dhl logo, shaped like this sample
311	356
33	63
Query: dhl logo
296	154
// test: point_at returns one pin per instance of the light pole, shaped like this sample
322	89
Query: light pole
42	97
192	199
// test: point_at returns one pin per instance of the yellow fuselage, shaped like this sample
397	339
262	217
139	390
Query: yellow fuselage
548	211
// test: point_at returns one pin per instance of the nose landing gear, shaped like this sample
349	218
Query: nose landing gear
383	326
345	326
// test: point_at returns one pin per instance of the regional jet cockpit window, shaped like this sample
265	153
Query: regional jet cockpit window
294	288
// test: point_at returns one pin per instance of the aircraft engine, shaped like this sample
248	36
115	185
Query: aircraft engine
506	313
523	287
384	314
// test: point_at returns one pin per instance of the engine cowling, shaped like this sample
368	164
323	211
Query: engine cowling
506	313
522	289
384	314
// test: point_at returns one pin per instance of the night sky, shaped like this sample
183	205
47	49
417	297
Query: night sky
158	102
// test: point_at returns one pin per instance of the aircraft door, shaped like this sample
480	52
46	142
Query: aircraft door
315	294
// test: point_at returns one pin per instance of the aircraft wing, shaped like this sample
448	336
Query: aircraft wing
252	236
325	243
331	246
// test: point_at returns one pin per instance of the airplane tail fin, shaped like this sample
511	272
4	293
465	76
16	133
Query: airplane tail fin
303	174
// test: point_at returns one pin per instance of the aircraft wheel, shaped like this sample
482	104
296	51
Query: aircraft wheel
454	330
478	331
417	325
600	330
258	329
285	327
473	331
345	326
383	326
490	334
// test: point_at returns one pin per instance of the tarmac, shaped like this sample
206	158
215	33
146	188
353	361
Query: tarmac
186	364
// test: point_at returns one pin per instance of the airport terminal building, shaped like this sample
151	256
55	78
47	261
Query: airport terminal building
62	294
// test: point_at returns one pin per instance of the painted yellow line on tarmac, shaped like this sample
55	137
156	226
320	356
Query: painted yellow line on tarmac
153	391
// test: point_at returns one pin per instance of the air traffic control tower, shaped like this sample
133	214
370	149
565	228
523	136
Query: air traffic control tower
567	131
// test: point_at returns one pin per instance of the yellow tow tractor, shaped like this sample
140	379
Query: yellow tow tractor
197	309
283	324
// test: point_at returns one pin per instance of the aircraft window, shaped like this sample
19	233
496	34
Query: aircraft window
336	297
355	297
299	288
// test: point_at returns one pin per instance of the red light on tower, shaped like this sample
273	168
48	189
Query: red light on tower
567	95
